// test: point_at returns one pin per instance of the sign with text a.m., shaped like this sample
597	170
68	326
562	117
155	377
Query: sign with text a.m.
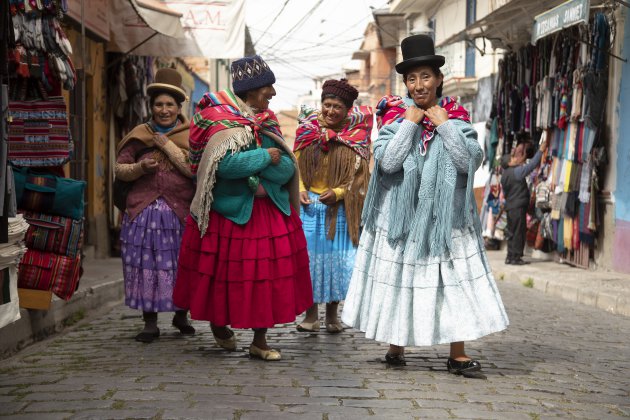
217	26
567	14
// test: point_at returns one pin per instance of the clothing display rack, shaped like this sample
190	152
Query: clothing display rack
554	91
38	145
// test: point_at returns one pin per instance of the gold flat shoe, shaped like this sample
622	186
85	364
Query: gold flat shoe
226	343
267	355
334	327
308	326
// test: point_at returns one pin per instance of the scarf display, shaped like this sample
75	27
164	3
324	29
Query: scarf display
391	108
557	89
347	150
222	110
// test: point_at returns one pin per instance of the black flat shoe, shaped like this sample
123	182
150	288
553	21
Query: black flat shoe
462	368
395	359
508	261
519	262
184	329
147	337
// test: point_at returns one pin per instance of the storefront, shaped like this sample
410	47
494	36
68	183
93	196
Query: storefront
54	158
554	84
43	201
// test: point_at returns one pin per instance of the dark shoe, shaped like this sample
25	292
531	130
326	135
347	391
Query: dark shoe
395	359
186	329
508	261
519	261
181	323
147	337
462	368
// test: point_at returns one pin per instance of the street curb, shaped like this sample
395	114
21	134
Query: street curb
36	325
615	303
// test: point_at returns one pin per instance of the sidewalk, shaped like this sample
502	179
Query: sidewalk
100	288
609	291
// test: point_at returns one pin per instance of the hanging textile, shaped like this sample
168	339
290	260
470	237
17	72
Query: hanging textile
557	87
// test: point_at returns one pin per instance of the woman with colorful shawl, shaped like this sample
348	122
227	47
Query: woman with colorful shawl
421	275
333	152
243	260
153	158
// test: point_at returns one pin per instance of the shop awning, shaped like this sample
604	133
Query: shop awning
148	27
508	26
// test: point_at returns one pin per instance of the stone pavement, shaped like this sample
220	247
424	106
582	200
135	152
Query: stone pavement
101	286
557	359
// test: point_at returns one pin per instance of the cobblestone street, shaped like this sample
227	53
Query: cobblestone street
557	359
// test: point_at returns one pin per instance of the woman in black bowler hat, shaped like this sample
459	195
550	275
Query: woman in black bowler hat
421	275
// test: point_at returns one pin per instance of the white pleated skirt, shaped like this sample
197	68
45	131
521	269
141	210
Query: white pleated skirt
432	301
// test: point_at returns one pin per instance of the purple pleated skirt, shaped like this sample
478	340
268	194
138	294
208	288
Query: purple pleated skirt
150	247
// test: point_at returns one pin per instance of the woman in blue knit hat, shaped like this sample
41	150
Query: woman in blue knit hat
243	261
421	276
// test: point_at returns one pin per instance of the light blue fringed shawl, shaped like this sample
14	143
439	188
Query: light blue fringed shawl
421	209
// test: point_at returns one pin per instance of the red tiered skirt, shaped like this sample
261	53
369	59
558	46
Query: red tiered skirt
254	275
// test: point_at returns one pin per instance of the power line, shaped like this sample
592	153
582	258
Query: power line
272	21
304	41
298	23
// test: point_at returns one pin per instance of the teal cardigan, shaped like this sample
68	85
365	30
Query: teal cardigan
233	198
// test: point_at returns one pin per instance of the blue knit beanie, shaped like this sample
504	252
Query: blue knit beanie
249	73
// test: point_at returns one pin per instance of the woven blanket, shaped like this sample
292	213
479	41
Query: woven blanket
46	271
38	133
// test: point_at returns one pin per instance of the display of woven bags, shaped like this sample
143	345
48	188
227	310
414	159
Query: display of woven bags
39	133
49	194
56	234
47	271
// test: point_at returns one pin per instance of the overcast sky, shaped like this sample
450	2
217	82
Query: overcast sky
308	38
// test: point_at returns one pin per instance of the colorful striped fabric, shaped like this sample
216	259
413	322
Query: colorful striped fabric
45	271
391	108
38	133
56	234
355	134
219	111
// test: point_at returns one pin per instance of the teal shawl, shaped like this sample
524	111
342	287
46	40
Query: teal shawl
421	210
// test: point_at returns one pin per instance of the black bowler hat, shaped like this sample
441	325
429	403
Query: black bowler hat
418	50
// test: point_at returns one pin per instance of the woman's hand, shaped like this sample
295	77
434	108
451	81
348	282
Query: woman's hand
414	114
149	166
437	115
304	200
160	139
328	198
275	155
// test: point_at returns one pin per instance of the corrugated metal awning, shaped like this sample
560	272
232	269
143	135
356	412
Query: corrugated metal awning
508	26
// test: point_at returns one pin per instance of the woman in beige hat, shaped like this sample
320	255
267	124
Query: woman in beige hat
153	160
